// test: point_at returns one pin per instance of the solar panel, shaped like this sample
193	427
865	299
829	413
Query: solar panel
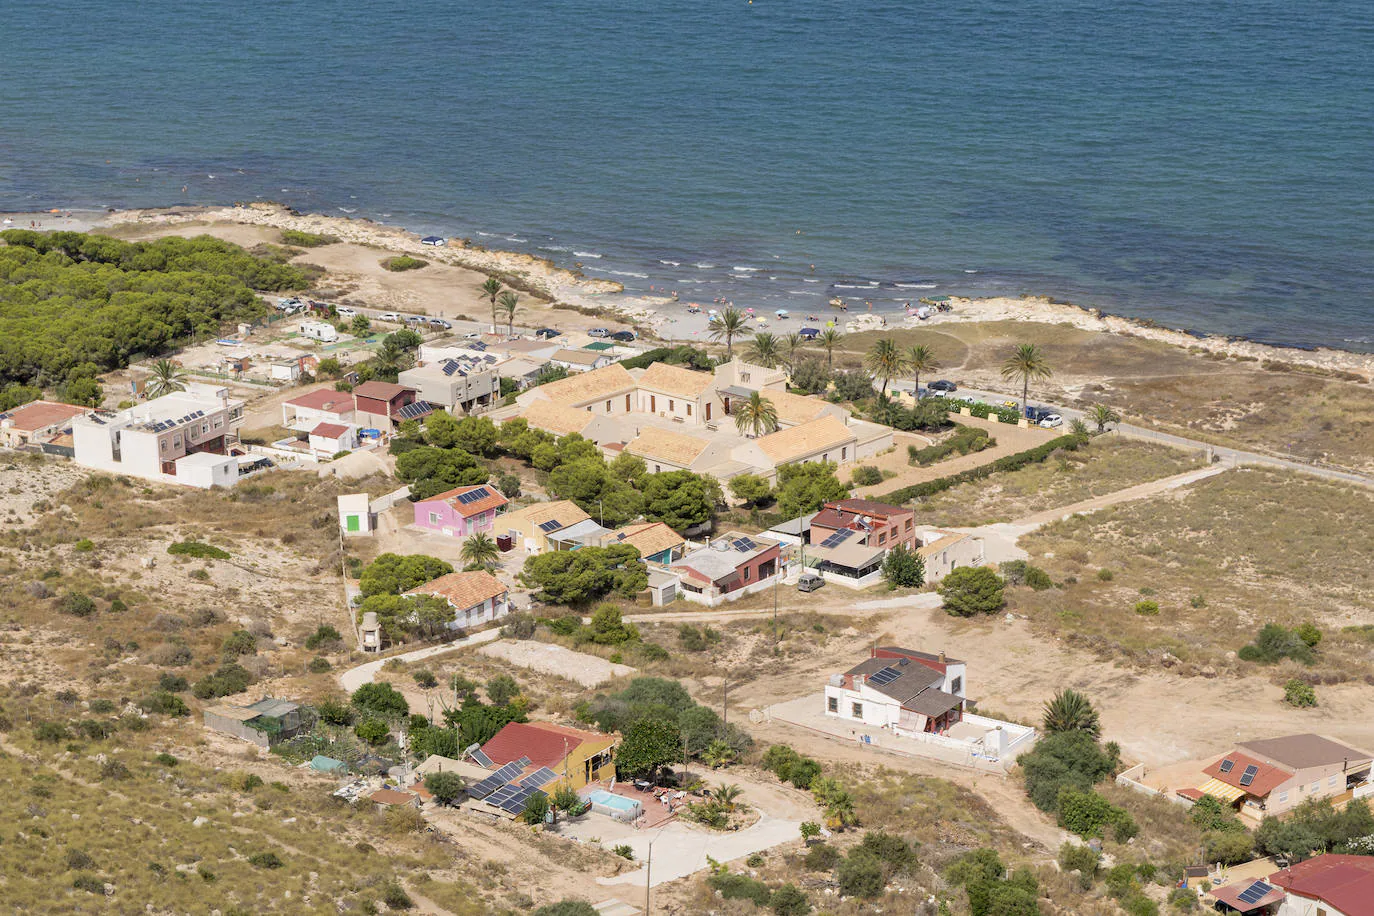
744	545
1249	775
884	676
550	525
1227	765
838	538
510	770
473	495
1255	892
540	777
481	758
486	786
450	366
503	794
417	409
477	345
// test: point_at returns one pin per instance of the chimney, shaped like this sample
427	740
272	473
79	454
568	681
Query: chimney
942	656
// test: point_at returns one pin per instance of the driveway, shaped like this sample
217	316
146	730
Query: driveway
587	670
354	678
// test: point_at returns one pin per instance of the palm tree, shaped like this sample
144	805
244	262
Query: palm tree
920	358
755	416
166	378
829	339
792	346
728	325
1070	711
490	289
1026	363
391	358
1103	416
728	794
718	754
884	361
508	303
764	350
839	811
479	550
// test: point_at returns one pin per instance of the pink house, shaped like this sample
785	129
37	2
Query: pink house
460	512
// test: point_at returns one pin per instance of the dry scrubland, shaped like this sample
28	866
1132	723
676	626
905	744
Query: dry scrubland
1222	559
1106	465
1230	402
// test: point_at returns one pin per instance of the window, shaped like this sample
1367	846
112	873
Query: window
1317	786
163	443
1331	780
608	407
671	405
1283	798
832	704
627	403
956	685
857	710
689	410
653	402
908	524
434	518
746	574
708	411
844	452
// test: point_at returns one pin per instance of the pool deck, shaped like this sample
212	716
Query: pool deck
655	814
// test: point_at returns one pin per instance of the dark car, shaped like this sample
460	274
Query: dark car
943	386
547	333
1036	414
623	336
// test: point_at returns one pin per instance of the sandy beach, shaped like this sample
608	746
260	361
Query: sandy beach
665	317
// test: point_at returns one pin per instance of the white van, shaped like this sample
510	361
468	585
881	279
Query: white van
318	330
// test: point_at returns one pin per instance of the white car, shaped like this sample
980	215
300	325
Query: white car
472	335
1051	421
389	316
346	312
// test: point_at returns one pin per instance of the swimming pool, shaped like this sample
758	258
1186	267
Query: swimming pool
612	805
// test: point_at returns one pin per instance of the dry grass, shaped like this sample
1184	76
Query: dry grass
1106	465
1232	553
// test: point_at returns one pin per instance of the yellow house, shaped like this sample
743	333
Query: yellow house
529	528
575	757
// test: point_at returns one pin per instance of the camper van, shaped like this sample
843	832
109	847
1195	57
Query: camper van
318	330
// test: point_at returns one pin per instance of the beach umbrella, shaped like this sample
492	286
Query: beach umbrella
780	312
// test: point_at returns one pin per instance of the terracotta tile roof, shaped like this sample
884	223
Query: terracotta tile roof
563	511
666	445
1345	882
940	544
41	414
329	430
676	380
649	539
463	590
325	399
795	409
1267	776
391	797
546	747
1302	751
559	419
380	391
868	507
491	498
580	735
805	440
580	390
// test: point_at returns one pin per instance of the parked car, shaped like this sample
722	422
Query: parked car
943	386
547	333
623	336
809	582
345	311
599	332
472	335
1036	414
1052	420
416	319
389	316
440	323
438	241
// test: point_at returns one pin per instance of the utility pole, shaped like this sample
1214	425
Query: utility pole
648	878
725	700
776	576
684	760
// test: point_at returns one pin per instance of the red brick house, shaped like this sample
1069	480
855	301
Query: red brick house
874	524
386	405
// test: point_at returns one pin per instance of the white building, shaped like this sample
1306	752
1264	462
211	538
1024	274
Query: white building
355	514
188	437
459	384
318	330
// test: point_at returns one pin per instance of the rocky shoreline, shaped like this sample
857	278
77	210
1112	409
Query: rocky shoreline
564	288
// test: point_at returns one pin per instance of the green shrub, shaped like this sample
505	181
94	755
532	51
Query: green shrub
76	604
1308	633
1082	859
85	545
965	441
302	239
395	897
265	860
1105	575
904	568
228	680
861	875
323	634
866	475
740	887
624	851
1147	608
89	883
1298	693
198	550
821	857
373	731
403	262
790	900
1006	463
165	703
1090	815
971	590
166	759
237	643
1275	643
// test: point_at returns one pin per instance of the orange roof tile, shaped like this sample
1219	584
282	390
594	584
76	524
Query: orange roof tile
41	414
463	590
490	499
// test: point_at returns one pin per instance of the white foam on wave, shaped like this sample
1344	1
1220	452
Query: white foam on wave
512	238
970	271
864	286
704	266
553	248
347	210
628	273
670	263
916	285
746	269
809	280
586	254
487	234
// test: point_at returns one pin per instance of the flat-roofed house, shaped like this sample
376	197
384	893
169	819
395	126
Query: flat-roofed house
531	527
945	551
36	421
462	511
476	597
456	384
728	567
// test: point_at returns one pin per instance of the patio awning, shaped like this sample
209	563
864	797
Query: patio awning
1220	791
737	391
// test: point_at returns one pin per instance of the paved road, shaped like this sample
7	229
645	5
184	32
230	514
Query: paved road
354	678
1232	455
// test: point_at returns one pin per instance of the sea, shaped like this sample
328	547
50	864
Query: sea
1205	164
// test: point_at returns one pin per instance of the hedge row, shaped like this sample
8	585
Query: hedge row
979	409
1006	463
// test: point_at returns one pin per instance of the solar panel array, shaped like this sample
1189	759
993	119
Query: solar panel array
473	495
884	676
550	525
481	758
513	799
496	780
1249	775
477	345
838	538
1227	765
417	409
744	545
450	366
1255	892
540	777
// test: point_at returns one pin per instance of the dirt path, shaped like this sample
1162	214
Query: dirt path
1010	440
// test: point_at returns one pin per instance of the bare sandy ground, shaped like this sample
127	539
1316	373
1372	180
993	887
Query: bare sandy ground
587	670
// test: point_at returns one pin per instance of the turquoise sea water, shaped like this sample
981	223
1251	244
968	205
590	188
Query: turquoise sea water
1206	164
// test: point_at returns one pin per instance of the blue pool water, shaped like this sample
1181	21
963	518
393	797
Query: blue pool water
1207	165
611	800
